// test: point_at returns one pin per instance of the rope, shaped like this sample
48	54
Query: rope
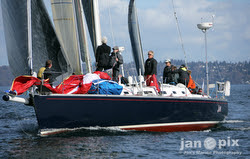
180	36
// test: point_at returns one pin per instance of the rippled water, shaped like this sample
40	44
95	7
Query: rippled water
19	139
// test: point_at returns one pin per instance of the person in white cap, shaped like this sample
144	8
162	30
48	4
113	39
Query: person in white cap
116	60
167	73
102	55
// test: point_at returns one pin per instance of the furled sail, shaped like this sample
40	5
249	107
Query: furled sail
45	44
91	11
67	31
135	38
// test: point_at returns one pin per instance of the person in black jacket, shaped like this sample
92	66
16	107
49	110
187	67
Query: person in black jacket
151	71
167	73
102	55
45	72
116	60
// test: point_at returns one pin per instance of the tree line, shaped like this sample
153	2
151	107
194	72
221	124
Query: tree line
236	73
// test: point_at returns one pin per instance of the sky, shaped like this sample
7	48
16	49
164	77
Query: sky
228	40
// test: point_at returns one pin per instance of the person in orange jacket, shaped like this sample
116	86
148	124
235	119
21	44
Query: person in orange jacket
191	83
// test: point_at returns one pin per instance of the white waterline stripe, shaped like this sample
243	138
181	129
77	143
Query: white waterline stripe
45	132
169	124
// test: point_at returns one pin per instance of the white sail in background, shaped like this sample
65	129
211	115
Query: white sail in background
66	29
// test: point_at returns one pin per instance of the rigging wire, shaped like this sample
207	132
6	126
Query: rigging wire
111	24
219	70
180	36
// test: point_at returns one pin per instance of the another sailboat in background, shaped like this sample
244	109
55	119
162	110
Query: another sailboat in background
138	107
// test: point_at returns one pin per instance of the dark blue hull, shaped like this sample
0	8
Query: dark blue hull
74	111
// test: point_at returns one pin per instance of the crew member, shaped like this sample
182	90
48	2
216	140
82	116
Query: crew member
45	73
102	55
167	73
191	83
175	76
151	71
183	75
116	60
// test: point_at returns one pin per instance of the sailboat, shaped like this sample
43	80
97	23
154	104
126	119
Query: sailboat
31	36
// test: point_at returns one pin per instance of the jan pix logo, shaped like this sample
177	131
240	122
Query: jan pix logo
209	143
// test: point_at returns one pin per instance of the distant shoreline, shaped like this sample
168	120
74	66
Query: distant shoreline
236	73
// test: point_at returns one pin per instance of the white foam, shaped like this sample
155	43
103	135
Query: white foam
47	132
233	121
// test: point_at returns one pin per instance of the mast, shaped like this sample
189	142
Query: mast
77	36
84	40
30	60
135	38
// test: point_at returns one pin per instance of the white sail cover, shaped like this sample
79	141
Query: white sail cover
45	44
66	29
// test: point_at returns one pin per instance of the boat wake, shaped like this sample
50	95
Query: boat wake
242	129
103	130
233	121
233	125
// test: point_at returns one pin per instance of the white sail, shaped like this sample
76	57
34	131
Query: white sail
66	29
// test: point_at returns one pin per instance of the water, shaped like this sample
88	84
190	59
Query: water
19	139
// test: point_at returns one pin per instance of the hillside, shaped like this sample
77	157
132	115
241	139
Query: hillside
236	73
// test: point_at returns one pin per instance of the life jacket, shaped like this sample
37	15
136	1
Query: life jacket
40	72
191	83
